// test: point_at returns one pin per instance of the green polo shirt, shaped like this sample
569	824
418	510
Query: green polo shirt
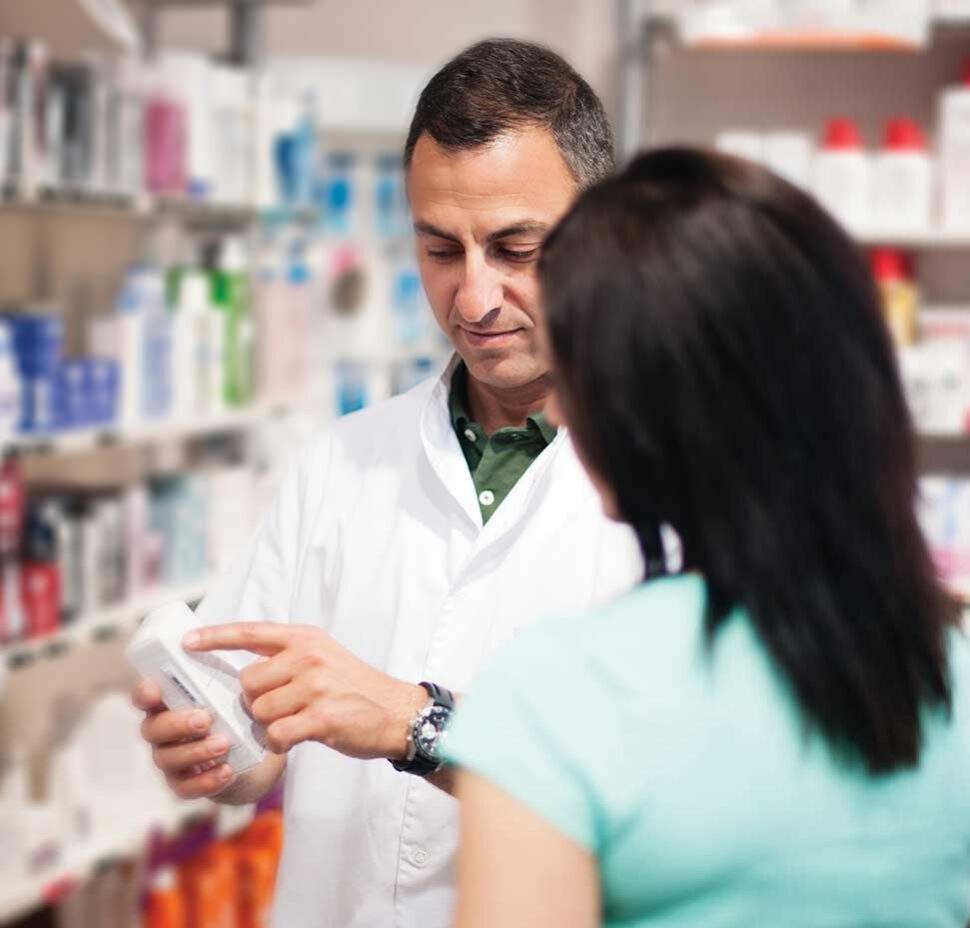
496	461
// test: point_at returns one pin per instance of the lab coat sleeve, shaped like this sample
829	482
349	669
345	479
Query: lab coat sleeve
258	584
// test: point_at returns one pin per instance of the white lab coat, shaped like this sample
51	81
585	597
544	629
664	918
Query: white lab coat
377	537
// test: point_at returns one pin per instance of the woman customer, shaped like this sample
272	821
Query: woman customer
774	728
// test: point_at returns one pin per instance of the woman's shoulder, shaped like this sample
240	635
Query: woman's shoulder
657	626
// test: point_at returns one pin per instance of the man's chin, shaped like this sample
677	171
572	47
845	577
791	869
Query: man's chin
503	371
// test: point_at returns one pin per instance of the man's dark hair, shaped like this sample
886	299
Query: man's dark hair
500	85
723	363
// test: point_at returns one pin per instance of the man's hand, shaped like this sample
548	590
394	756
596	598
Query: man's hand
310	688
192	761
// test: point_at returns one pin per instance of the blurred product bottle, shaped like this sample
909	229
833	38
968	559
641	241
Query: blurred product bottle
791	155
10	389
339	195
232	116
954	147
192	75
166	136
38	339
258	850
41	575
127	135
194	334
390	206
231	296
8	107
271	311
352	388
902	178
843	174
30	162
144	345
742	143
56	512
164	904
13	619
210	885
408	307
900	296
296	321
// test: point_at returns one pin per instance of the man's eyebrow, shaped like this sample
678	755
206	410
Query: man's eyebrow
526	227
426	228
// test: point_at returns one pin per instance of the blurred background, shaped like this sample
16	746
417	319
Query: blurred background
205	257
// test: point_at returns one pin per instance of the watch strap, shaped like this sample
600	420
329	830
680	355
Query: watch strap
419	765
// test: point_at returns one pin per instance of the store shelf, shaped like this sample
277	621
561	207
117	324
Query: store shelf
807	41
32	893
105	623
93	204
79	25
77	441
918	239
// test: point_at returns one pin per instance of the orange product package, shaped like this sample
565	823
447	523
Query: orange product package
210	885
165	906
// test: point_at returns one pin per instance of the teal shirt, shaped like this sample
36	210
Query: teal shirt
498	461
690	776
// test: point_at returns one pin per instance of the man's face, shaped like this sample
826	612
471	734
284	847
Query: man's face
480	217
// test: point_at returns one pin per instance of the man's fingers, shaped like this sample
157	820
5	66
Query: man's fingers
196	786
277	704
168	727
178	759
266	638
292	730
263	676
147	696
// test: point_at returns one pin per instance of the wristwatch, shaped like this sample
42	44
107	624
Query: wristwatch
427	733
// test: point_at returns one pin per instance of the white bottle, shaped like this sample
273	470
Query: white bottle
130	315
842	174
902	179
954	146
790	155
10	388
191	348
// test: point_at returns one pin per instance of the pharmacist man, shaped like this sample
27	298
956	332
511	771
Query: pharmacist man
417	536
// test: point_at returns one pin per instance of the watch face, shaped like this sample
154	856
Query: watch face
429	732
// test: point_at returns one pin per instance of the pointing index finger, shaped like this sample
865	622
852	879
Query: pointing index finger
264	638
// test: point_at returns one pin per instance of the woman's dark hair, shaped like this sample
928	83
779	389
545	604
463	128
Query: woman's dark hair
725	368
502	84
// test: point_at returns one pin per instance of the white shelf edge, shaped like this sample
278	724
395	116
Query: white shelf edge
85	439
120	617
925	239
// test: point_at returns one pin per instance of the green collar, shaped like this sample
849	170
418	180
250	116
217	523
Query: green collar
461	419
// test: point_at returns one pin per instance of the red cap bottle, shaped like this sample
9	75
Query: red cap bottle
842	134
890	264
904	135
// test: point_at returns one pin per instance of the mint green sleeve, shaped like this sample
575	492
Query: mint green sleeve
517	728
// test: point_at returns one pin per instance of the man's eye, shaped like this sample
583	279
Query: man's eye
516	254
441	253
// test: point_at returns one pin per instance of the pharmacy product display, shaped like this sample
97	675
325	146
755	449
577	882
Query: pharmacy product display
180	126
899	184
944	511
67	556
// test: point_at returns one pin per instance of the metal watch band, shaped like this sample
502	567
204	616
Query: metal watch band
420	765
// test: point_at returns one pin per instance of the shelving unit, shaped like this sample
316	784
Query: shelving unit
641	22
22	899
917	240
80	440
102	624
